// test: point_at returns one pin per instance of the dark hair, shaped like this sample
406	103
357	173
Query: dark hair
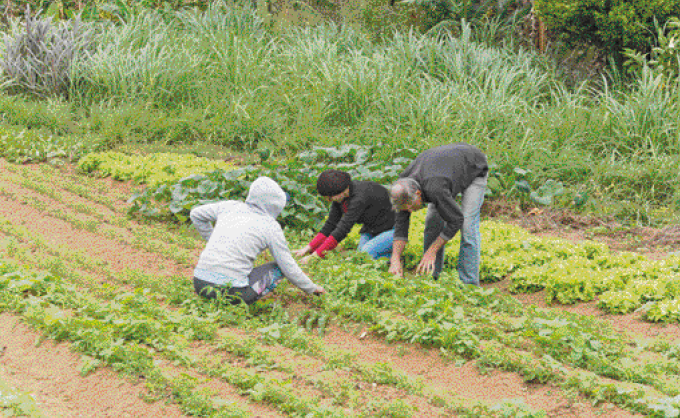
332	182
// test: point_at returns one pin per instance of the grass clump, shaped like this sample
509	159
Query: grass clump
38	54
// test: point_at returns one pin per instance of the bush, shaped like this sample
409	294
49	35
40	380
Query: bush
611	26
38	55
665	56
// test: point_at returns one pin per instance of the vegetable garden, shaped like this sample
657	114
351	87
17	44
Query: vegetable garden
113	127
116	290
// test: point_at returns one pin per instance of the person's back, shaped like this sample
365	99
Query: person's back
240	233
239	236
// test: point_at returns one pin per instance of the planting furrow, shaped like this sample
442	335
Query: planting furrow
473	328
48	262
63	254
52	374
85	199
368	377
92	264
53	182
128	332
136	238
63	251
431	383
334	372
61	235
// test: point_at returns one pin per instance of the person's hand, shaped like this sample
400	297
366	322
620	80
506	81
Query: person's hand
396	268
319	291
426	265
302	251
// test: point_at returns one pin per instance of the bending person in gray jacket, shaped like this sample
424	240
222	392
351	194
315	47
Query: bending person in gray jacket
240	233
436	177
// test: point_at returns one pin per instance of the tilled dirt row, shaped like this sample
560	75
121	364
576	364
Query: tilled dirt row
29	367
49	372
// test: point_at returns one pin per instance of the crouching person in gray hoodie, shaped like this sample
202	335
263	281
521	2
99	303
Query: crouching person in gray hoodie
241	231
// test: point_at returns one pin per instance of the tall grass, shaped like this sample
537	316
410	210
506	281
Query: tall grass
138	61
225	76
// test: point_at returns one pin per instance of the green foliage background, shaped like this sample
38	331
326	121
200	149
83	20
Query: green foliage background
612	25
243	80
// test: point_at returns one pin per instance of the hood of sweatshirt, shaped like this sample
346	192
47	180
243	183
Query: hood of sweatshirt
266	195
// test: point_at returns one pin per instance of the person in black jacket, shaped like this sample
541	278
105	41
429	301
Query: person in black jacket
363	202
436	177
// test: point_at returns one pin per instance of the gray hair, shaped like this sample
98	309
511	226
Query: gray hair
403	192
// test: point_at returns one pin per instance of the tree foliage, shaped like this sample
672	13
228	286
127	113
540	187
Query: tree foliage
611	25
664	58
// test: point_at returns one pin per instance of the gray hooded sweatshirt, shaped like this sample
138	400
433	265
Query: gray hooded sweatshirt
241	232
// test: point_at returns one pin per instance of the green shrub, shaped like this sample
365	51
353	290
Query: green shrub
665	56
612	25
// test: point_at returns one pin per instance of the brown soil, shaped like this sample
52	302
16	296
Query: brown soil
464	381
654	243
49	371
50	374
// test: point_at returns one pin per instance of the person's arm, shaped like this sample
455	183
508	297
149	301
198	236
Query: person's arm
396	267
402	221
401	225
440	191
356	208
309	251
426	264
203	217
332	220
313	245
279	249
303	251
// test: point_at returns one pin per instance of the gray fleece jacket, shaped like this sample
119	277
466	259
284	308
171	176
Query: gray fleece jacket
242	231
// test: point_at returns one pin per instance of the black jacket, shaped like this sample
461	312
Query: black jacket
368	204
443	172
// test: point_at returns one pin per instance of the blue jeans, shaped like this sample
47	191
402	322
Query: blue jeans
377	246
470	238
